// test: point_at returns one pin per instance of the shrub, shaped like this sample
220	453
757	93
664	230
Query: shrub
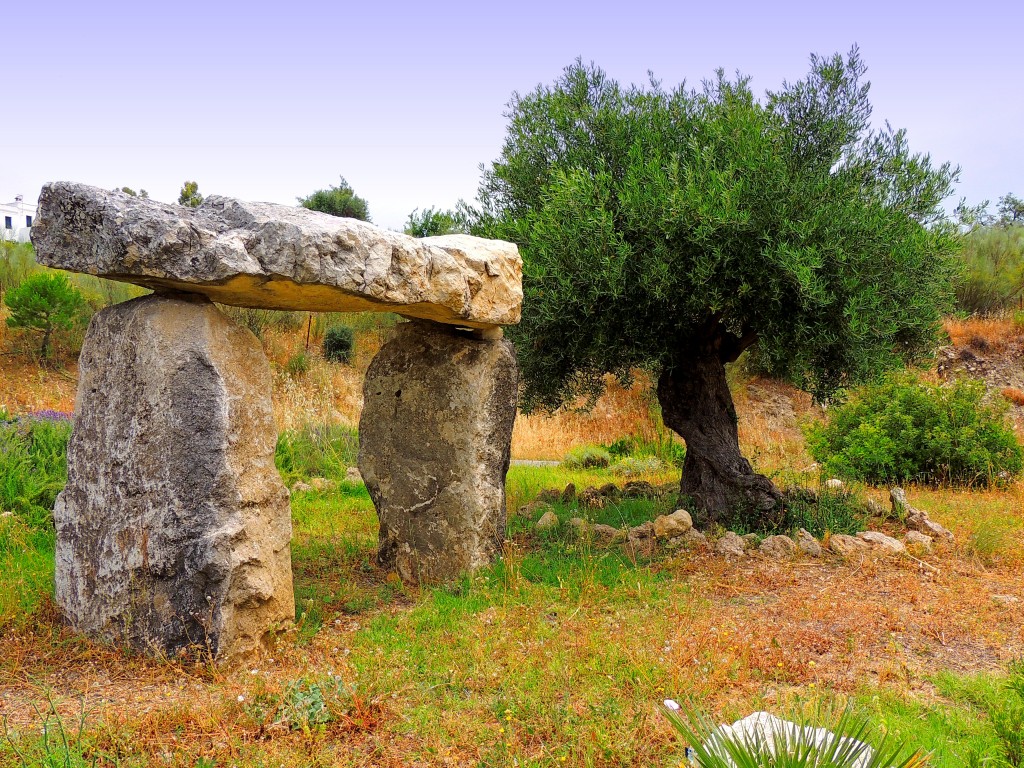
44	302
16	263
904	430
339	343
587	457
782	745
33	465
830	510
992	269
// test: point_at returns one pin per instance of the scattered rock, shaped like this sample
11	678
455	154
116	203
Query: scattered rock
277	256
730	545
591	498
532	509
750	540
667	490
548	521
434	445
778	547
807	543
569	494
670	526
916	519
301	487
845	545
694	539
640	548
174	527
352	475
610	491
643	531
917	541
874	508
834	484
1005	599
579	526
606	534
880	541
639	489
549	496
323	484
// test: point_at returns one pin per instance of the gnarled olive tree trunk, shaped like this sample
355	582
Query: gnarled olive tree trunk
696	403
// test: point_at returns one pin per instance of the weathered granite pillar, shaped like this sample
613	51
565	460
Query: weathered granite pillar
174	529
434	443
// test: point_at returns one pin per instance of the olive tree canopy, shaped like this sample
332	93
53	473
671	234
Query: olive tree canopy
671	230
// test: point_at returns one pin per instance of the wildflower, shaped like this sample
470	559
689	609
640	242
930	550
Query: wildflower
671	704
241	698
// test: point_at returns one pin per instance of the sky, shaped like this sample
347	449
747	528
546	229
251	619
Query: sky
272	101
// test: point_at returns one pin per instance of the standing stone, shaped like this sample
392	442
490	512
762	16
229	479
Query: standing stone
174	527
434	445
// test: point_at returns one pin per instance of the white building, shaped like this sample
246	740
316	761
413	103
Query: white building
17	219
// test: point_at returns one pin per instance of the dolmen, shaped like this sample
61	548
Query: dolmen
174	529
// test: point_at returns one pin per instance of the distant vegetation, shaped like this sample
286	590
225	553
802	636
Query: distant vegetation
431	222
908	430
993	270
338	201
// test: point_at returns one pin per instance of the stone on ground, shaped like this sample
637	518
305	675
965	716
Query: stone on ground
547	522
778	547
731	545
434	445
807	543
174	528
880	541
845	545
352	475
918	542
671	526
277	256
323	484
916	519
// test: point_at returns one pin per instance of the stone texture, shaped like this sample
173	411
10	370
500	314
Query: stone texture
778	547
590	498
174	527
916	519
670	526
693	539
434	444
277	256
918	542
880	541
606	534
569	494
547	522
731	545
301	487
323	484
807	543
352	475
529	511
845	545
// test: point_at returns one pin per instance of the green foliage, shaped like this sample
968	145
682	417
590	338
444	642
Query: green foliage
308	704
430	221
792	747
1007	715
259	320
586	457
189	195
339	343
905	430
670	222
338	201
56	744
1011	209
33	467
992	269
316	450
44	302
297	364
829	510
144	194
17	261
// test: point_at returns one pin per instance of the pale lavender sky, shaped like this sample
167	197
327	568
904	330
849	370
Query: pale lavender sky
270	101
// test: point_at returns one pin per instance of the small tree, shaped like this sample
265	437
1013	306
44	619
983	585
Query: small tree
671	230
431	222
338	201
141	193
1011	209
189	195
44	302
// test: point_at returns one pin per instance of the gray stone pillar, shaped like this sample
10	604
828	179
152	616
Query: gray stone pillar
174	529
434	443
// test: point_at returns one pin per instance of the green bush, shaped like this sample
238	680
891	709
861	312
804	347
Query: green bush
17	261
297	364
33	465
829	510
906	430
992	272
45	302
587	457
339	343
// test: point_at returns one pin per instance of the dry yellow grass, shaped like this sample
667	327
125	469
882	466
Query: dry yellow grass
998	333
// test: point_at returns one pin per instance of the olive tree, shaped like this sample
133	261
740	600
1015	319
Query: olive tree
673	229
